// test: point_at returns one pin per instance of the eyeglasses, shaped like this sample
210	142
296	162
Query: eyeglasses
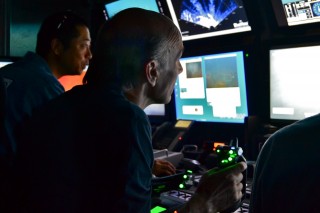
61	22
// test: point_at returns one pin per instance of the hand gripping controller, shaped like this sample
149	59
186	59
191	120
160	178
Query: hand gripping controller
227	156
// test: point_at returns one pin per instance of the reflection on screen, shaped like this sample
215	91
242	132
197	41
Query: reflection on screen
212	88
294	82
204	18
117	6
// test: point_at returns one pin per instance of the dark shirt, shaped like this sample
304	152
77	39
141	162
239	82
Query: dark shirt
29	84
89	150
287	171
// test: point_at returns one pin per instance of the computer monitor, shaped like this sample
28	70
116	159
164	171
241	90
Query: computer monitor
294	82
201	19
212	88
295	13
116	6
5	61
155	110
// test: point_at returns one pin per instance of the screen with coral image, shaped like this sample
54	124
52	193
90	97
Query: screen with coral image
212	88
198	19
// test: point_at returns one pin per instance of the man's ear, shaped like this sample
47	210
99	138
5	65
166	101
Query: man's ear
56	46
151	70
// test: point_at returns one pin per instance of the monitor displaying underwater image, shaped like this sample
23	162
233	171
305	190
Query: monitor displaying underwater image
212	88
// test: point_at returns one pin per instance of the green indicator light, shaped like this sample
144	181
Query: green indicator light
189	171
230	152
247	55
230	159
181	186
218	150
158	209
185	176
162	186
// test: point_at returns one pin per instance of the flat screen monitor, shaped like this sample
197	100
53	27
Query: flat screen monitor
116	6
212	88
294	82
4	62
200	19
293	12
155	110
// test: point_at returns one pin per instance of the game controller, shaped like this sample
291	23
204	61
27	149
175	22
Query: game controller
228	156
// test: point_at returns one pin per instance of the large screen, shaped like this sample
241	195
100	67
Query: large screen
212	88
205	18
114	7
294	82
293	12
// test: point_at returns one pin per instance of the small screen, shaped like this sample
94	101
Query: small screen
200	19
293	12
116	6
155	110
294	82
212	88
4	63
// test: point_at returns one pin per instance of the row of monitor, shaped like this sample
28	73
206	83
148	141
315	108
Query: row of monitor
199	19
212	87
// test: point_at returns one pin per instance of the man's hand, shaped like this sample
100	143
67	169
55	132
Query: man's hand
163	168
217	190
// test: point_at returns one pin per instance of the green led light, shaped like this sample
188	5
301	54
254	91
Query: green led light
218	150
158	209
230	159
230	152
185	176
247	55
189	171
181	186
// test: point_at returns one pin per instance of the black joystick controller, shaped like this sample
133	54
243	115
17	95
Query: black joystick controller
227	156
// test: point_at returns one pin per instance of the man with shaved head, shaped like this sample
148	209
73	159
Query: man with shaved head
94	141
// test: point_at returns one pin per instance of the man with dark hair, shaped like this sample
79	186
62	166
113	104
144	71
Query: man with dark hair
90	149
63	48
